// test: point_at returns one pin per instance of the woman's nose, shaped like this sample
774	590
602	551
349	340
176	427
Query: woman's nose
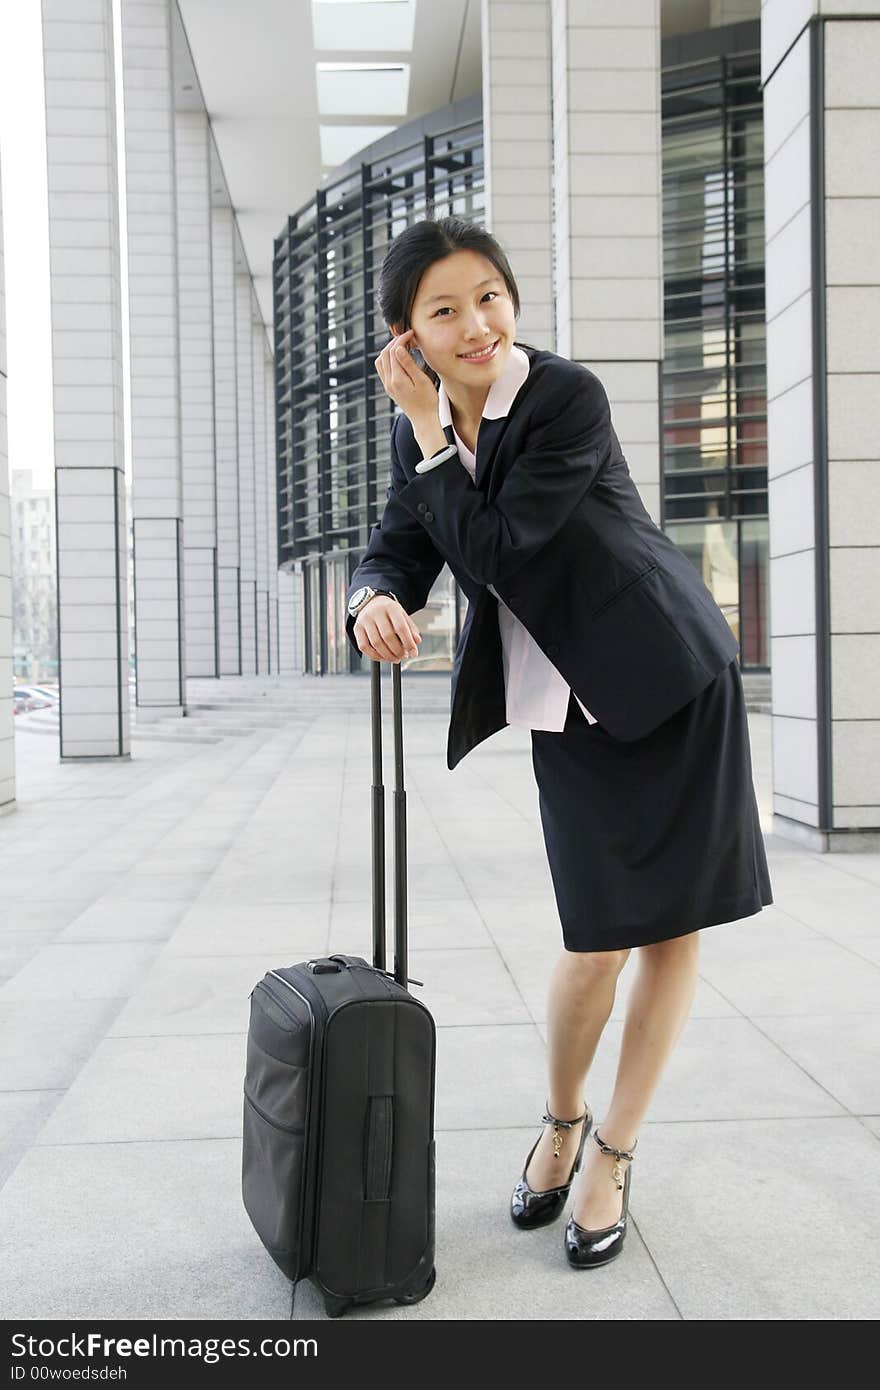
476	329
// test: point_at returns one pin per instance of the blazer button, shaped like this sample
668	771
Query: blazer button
423	506
429	516
552	648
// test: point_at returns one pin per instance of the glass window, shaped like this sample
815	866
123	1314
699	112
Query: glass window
711	548
714	372
754	592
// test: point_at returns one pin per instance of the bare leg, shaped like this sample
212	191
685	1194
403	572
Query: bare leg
582	989
657	1009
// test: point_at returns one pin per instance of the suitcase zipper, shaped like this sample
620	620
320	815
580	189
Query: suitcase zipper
315	1073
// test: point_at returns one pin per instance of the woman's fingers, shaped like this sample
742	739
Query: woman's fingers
393	638
388	357
388	633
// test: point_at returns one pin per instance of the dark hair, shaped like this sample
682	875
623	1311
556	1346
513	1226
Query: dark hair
418	247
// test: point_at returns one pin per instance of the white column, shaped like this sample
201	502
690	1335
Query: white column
197	391
87	374
226	440
261	517
7	737
271	504
518	153
821	134
247	507
608	228
157	499
291	634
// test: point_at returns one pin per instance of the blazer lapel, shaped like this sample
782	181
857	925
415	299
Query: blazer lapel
487	437
487	440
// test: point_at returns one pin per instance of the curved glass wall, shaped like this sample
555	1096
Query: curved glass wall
333	419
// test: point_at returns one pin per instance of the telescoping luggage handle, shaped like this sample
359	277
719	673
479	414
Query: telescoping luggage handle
400	923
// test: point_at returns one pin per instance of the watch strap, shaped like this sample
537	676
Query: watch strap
373	595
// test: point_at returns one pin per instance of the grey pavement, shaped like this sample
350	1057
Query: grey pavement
141	901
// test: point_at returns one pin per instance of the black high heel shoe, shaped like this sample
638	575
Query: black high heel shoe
529	1209
586	1249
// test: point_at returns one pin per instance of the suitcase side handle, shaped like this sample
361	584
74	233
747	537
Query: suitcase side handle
401	952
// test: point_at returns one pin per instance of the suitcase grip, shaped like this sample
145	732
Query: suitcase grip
379	1147
401	962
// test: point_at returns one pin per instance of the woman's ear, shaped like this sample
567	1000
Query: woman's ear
395	329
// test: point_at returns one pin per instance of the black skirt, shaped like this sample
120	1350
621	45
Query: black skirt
657	838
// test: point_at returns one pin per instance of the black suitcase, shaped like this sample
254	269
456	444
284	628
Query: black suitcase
338	1140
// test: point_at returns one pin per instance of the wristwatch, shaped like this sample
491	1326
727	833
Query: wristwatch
363	595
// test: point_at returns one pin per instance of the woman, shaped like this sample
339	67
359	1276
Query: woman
586	625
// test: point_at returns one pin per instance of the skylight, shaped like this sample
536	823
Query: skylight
363	89
364	26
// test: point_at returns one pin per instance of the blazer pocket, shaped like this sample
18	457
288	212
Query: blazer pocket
624	589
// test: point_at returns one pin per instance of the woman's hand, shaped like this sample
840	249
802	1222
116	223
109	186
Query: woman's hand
406	384
384	630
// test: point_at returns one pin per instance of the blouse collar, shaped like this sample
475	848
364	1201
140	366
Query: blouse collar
501	393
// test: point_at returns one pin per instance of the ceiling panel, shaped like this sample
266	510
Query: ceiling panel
378	25
254	66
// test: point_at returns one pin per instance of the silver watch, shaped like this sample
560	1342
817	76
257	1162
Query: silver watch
363	595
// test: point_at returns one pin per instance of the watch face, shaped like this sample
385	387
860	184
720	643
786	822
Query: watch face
358	597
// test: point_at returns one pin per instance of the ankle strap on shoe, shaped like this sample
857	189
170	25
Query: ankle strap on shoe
557	1124
620	1155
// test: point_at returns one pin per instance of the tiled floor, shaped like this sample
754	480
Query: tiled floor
142	900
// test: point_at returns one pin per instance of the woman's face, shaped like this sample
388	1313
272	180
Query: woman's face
463	307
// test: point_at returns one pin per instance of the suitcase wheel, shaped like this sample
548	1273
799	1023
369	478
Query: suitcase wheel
335	1307
421	1293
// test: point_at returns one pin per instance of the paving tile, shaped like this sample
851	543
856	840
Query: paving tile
507	1089
69	887
81	970
839	1051
35	915
861	866
431	926
125	919
463	988
781	967
43	1048
257	889
134	1231
22	1115
193	995
444	882
157	887
175	859
290	931
166	1087
770	1220
18	947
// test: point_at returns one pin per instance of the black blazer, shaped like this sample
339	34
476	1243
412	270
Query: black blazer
553	520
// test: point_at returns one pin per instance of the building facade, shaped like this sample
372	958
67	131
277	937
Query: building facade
688	193
333	417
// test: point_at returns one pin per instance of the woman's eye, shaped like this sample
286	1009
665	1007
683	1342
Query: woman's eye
494	294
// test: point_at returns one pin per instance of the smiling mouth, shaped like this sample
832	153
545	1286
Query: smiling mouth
483	355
